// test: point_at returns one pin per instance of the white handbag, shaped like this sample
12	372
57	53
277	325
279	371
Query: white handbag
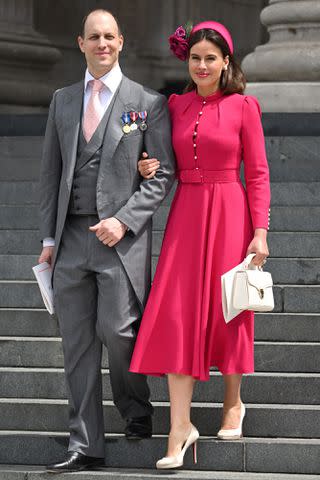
246	287
252	290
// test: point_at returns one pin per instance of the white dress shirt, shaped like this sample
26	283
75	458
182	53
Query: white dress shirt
111	81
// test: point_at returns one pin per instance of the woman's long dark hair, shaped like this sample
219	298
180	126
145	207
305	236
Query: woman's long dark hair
232	80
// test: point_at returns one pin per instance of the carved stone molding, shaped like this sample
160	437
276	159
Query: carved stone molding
26	59
285	72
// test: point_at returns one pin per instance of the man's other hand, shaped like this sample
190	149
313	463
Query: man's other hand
46	255
109	231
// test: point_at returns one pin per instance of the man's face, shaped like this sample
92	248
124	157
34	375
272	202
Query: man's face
101	43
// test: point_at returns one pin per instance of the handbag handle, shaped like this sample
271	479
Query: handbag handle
247	261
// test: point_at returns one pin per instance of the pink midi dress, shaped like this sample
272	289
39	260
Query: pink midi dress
210	226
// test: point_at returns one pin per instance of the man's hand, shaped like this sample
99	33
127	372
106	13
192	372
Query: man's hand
148	166
109	231
46	255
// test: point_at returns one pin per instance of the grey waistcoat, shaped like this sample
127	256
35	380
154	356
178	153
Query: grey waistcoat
84	187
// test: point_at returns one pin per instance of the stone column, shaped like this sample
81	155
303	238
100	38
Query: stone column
26	59
285	72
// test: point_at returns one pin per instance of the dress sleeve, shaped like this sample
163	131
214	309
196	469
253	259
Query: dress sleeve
256	170
171	102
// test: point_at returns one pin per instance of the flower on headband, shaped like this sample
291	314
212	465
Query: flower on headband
180	32
178	42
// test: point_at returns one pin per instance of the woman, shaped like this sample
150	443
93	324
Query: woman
213	224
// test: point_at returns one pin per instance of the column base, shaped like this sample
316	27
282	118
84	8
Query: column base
286	96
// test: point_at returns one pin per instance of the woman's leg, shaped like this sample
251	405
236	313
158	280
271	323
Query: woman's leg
232	402
180	391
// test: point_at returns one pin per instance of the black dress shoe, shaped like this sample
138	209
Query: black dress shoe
138	428
75	462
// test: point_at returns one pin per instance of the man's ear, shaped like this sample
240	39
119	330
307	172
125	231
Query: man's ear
80	43
121	43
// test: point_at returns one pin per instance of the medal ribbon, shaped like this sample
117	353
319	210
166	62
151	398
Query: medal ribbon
125	117
133	116
143	115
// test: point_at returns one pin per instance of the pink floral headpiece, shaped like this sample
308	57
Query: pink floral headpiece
179	41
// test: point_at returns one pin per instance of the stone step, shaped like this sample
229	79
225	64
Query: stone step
295	193
290	271
297	219
288	218
261	387
294	244
23	294
281	244
20	158
18	267
17	472
28	322
293	159
19	193
291	327
302	271
269	356
288	298
249	454
282	193
287	327
20	242
284	421
19	217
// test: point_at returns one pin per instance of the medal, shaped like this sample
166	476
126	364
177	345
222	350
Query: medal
143	116
125	117
133	116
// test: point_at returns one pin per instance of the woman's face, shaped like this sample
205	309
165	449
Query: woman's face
206	63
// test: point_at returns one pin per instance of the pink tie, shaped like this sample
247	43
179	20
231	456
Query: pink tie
93	113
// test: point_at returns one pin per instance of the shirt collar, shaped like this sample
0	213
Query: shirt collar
111	79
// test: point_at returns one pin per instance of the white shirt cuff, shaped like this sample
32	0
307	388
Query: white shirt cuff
48	242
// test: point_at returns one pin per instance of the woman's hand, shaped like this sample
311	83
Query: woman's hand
148	166
259	246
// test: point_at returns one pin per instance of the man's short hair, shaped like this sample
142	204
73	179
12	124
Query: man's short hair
102	10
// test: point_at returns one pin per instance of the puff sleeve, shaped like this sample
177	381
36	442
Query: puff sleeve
256	170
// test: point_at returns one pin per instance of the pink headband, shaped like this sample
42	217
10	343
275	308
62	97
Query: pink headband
217	27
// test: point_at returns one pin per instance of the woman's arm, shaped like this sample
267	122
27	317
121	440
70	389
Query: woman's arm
256	177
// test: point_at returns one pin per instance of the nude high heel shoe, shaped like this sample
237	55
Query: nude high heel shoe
177	461
233	433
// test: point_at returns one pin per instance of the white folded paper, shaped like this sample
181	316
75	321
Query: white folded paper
43	274
227	280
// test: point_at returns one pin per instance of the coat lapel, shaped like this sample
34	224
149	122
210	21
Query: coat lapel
114	131
72	109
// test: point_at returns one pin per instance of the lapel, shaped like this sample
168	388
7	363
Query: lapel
72	108
113	134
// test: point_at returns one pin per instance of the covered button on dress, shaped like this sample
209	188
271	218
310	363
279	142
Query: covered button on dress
210	226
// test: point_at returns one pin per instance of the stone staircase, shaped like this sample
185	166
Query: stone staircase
282	426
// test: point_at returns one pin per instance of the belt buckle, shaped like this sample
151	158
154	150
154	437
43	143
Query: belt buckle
199	175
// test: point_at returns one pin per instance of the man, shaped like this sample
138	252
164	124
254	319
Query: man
96	227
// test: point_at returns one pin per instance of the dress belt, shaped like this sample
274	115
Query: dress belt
198	175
